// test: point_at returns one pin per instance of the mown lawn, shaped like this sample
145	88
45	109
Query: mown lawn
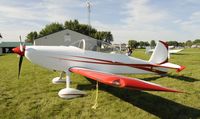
34	96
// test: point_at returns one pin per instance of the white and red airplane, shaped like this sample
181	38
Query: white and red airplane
102	67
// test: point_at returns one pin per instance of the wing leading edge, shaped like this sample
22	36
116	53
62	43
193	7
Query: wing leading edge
120	81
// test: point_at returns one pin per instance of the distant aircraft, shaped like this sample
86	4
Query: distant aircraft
170	51
100	66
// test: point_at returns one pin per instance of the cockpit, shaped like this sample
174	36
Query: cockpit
97	45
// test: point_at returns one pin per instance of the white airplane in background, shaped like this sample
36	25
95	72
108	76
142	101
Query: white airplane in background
170	51
99	66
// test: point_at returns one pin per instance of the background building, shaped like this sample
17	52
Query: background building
6	47
64	37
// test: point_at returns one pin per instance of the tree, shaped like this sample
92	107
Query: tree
72	25
181	44
197	41
173	43
146	43
133	43
51	28
107	36
31	37
76	26
188	43
88	30
153	43
141	44
98	35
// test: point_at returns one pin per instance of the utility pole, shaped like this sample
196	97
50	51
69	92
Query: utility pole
89	10
1	36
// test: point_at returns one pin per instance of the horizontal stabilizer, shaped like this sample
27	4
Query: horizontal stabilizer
172	66
120	81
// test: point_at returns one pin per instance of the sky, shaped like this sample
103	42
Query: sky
141	20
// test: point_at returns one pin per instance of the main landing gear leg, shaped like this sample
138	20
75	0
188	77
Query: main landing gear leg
58	80
68	93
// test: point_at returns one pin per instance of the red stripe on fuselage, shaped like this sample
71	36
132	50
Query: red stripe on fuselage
146	67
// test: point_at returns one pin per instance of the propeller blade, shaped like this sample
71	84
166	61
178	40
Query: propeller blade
20	64
21	46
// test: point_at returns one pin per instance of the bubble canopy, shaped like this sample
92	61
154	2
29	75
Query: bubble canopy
96	45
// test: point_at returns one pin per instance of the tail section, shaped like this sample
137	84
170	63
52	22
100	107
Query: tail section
160	54
159	58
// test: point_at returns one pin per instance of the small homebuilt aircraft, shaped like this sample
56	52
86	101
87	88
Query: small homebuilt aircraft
100	66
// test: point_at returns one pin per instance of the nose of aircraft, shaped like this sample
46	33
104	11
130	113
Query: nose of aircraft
18	51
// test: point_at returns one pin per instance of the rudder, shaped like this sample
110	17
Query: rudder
160	54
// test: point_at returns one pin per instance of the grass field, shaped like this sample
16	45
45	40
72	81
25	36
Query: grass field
34	96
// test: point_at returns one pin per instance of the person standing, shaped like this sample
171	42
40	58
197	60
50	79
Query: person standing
129	51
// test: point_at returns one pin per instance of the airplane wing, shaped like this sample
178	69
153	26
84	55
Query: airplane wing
175	51
120	81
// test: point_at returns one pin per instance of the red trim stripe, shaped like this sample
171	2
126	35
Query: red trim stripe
146	67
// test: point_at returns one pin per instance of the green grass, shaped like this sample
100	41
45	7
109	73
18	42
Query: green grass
34	96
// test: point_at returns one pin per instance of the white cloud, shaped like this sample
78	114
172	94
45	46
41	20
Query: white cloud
140	11
145	22
19	19
193	19
142	22
191	25
59	10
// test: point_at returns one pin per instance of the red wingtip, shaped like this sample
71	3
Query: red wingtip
180	69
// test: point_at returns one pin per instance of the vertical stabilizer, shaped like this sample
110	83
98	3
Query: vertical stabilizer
160	54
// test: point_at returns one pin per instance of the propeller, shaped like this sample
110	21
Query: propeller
20	51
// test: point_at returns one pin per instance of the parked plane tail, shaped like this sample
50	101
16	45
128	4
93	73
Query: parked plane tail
160	54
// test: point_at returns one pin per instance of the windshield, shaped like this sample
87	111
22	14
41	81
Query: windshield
96	45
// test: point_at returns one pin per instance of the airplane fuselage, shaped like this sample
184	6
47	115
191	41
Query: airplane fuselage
61	58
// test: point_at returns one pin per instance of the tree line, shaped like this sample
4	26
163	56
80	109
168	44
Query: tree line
152	43
71	25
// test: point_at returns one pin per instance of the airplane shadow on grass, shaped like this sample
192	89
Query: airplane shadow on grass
174	76
182	78
156	105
